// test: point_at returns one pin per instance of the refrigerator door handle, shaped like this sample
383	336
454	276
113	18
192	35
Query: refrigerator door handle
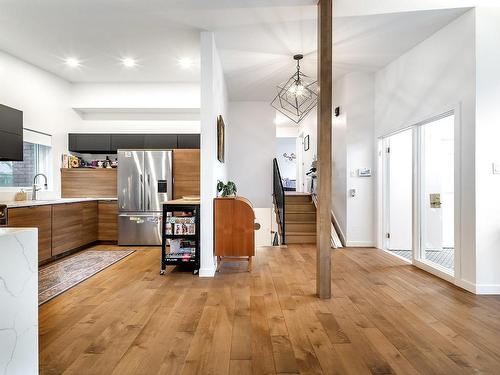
149	192
142	191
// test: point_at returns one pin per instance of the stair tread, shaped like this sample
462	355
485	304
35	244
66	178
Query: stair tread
288	233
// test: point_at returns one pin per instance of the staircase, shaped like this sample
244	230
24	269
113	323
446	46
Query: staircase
300	218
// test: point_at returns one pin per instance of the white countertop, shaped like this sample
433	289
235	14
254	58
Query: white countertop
19	301
44	202
14	231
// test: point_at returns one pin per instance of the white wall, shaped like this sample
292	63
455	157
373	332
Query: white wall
352	140
251	148
136	107
487	149
45	100
339	158
213	104
435	76
286	145
135	95
349	8
307	127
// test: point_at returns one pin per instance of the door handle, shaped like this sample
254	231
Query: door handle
149	192
142	192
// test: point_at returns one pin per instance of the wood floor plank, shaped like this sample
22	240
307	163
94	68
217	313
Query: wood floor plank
385	317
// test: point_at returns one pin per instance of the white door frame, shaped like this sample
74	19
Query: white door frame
300	184
383	212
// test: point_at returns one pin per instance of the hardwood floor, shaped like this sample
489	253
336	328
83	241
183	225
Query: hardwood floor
385	317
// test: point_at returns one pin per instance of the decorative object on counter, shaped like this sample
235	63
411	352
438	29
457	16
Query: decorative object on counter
58	277
221	138
227	190
74	162
21	196
64	161
234	227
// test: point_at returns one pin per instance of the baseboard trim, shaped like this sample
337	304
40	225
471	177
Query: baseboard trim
488	289
207	272
360	244
467	285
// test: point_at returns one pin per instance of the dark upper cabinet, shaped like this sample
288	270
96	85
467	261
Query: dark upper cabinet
188	141
127	141
110	143
11	147
160	141
91	143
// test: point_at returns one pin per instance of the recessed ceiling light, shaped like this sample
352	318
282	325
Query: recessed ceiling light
186	62
72	62
129	62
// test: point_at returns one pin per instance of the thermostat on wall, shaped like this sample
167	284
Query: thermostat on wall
364	172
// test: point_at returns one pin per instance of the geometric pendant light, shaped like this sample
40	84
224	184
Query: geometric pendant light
297	96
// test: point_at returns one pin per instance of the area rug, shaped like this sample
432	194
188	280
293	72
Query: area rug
65	274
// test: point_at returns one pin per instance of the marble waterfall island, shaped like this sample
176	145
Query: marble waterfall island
19	301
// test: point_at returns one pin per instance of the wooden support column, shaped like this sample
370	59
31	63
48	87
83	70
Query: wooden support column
323	231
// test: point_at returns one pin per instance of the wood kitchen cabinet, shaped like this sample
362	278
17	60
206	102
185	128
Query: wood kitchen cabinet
35	217
67	225
88	183
108	221
186	172
89	222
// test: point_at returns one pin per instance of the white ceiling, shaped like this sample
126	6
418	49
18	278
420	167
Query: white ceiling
256	38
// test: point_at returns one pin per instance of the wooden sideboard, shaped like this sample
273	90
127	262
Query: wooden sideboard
234	225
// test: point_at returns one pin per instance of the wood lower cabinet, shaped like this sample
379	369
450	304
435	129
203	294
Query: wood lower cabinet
108	221
67	226
35	217
89	222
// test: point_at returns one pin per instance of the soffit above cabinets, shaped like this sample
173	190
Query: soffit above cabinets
139	114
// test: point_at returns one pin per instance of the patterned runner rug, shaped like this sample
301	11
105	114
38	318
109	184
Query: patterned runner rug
65	274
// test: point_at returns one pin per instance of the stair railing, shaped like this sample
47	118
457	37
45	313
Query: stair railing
279	199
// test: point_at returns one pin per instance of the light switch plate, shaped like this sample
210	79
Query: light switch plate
496	168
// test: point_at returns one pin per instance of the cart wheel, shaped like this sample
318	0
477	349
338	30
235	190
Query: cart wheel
162	272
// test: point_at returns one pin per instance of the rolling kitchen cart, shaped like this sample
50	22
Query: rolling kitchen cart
181	234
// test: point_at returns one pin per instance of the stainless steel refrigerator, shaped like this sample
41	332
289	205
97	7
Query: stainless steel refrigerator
144	181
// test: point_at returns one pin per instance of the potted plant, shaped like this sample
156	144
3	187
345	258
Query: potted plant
226	190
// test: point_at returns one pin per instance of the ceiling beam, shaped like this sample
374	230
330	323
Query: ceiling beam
324	137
